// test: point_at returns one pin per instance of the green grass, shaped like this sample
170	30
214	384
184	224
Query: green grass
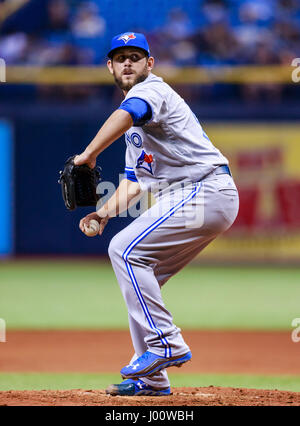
56	381
85	295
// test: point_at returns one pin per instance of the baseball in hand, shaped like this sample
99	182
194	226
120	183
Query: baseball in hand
92	228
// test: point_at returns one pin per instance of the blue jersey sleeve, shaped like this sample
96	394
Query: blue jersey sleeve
139	110
130	175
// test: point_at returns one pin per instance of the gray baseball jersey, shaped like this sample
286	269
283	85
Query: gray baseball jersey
172	146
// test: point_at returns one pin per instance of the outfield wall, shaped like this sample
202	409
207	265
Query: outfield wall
264	159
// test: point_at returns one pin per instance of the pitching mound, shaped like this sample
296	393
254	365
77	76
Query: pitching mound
181	397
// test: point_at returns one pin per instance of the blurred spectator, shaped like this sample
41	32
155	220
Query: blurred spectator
171	44
215	11
219	44
63	54
13	48
58	15
178	25
252	29
287	34
223	32
88	22
287	9
184	53
263	55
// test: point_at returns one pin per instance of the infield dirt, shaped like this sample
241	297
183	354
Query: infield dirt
265	353
213	396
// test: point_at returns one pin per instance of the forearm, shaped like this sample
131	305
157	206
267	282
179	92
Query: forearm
114	127
126	193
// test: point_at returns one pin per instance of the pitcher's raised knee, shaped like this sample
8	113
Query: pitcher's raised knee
116	247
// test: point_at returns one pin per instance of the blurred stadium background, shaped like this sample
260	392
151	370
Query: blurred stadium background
231	61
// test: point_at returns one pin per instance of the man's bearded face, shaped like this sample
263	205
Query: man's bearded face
130	66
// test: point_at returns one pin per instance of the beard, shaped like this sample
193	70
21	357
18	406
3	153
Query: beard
128	85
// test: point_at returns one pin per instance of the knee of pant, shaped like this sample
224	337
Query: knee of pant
139	258
115	248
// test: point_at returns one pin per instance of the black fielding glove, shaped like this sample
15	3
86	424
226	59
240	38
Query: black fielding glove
78	184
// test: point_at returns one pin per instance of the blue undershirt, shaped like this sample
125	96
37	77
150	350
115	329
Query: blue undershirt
139	110
141	113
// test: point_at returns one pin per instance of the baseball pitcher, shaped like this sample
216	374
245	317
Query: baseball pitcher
169	154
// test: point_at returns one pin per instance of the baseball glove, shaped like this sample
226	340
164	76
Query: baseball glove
78	184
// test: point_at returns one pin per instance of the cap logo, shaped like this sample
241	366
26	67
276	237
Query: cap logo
127	37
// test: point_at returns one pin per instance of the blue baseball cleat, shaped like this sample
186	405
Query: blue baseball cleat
136	388
148	364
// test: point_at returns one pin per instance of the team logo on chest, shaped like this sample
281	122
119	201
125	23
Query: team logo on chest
145	162
127	37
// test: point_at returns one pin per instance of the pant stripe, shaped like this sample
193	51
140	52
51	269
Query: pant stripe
130	270
145	308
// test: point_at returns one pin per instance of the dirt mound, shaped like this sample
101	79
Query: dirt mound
182	397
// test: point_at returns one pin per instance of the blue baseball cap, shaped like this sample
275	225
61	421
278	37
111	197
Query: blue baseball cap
129	40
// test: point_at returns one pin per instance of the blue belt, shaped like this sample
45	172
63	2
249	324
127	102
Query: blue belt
223	170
